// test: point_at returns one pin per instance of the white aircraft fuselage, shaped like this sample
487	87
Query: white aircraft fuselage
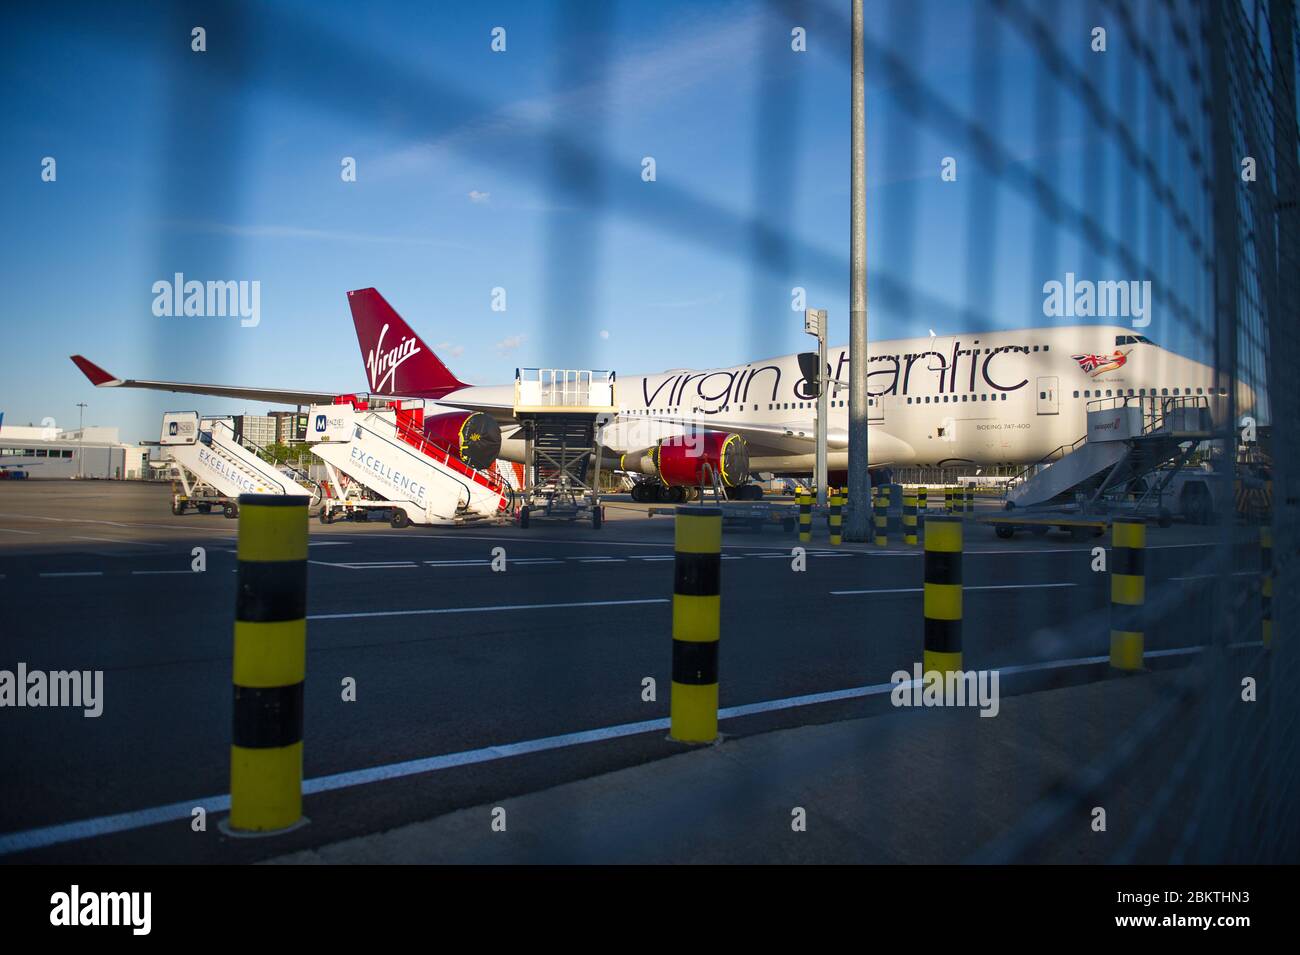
998	398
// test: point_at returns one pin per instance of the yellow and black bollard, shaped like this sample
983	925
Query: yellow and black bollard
805	518
1266	582
909	517
1127	592
270	663
881	515
837	518
970	498
697	607
947	499
943	547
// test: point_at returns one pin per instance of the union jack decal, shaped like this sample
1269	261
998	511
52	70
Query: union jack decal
1096	365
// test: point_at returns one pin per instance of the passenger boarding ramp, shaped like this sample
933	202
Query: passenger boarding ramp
561	411
1128	438
215	467
390	464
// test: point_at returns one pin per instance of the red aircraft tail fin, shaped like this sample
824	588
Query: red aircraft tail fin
398	362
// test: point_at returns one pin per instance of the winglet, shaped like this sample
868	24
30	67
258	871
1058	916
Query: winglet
97	375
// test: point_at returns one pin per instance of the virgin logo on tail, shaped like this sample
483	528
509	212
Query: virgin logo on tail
380	362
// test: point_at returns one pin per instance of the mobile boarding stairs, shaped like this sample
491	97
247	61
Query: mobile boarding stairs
378	458
561	412
215	466
1120	463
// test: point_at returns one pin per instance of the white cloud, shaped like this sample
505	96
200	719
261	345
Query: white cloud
509	344
254	231
659	69
480	197
453	351
604	333
688	303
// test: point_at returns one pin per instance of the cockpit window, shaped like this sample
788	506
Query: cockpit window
1132	340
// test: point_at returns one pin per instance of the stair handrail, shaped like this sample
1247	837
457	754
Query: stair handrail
239	440
297	474
430	448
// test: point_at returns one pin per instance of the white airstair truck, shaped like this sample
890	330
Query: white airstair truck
379	459
215	468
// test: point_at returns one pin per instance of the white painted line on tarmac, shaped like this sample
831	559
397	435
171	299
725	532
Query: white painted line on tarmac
372	565
489	609
74	573
10	530
917	590
144	573
522	540
1239	573
114	540
892	590
173	812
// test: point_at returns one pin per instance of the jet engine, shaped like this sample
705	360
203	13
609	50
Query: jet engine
689	460
473	436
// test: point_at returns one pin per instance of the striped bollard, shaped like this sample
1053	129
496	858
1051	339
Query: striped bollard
270	664
805	518
697	607
909	517
922	507
947	499
1266	581
942	604
881	515
1127	592
970	498
837	518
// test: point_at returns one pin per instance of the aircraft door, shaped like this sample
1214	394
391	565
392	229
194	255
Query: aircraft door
875	407
1048	395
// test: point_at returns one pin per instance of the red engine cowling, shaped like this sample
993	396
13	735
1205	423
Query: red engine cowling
472	435
681	460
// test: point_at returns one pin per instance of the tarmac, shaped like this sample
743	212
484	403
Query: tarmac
477	687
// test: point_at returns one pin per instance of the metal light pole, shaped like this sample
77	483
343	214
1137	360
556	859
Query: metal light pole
81	438
858	519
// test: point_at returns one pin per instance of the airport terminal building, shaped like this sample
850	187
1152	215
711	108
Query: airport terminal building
39	452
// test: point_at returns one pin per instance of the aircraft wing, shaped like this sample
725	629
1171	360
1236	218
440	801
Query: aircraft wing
102	379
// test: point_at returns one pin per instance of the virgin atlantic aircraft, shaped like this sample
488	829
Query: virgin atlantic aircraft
992	398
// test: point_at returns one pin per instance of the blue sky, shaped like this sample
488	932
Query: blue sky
522	170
